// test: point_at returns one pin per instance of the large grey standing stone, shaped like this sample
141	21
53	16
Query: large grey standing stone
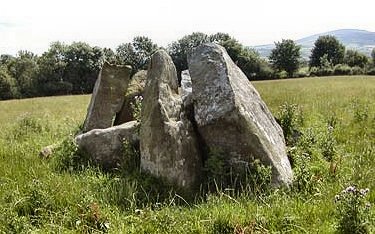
135	89
105	146
168	144
107	97
231	115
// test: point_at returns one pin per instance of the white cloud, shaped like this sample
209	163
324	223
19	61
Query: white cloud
33	25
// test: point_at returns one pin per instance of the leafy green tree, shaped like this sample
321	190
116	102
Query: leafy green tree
137	53
373	56
326	67
219	38
109	55
51	72
234	49
285	56
8	85
330	46
23	69
52	63
5	59
66	69
248	60
179	49
255	67
325	63
354	58
83	64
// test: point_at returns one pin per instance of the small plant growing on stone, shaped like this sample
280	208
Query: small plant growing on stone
353	210
136	106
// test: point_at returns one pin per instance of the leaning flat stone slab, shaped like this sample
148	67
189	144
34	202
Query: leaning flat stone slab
231	116
107	97
105	146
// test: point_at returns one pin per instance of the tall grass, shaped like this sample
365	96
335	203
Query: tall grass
339	122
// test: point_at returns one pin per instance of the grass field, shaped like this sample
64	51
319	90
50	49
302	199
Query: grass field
336	150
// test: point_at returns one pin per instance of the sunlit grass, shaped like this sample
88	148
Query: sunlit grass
36	197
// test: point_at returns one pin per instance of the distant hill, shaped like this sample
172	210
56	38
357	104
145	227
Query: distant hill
361	40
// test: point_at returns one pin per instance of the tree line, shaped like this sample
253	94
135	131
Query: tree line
328	57
73	68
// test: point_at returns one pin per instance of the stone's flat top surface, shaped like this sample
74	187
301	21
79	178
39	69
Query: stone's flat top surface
110	130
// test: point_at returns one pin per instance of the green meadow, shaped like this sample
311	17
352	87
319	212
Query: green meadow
335	118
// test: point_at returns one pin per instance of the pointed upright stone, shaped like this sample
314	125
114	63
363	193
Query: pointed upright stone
232	117
168	144
107	97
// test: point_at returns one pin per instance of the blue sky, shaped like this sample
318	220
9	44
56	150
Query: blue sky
33	25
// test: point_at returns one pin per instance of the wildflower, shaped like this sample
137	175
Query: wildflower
138	211
138	98
350	189
106	225
363	192
353	210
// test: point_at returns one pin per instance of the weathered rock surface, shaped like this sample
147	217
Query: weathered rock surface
107	97
187	96
231	116
186	88
135	88
168	144
105	146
